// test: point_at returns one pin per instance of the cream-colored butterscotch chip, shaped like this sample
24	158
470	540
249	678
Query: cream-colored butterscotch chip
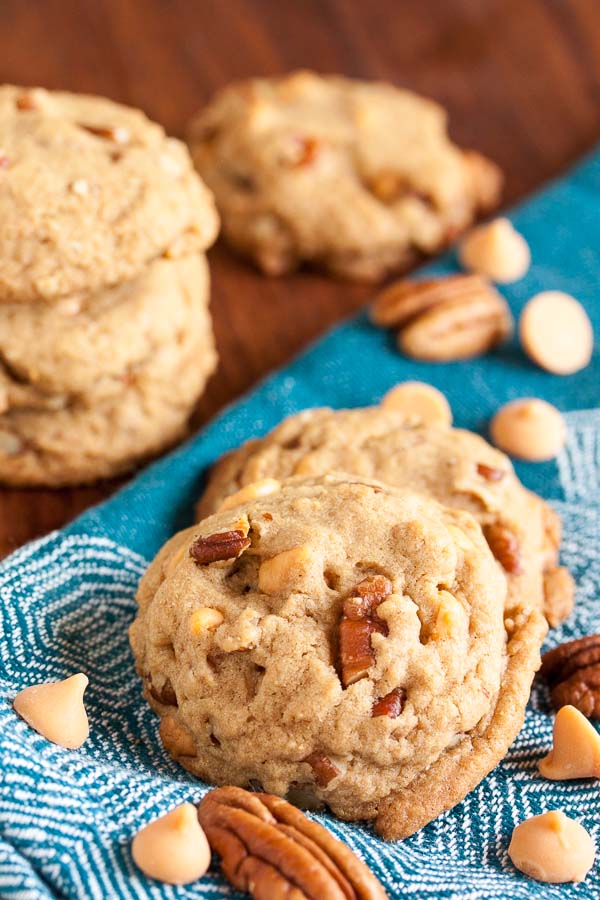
420	402
281	571
173	849
552	848
529	429
257	489
496	250
204	619
176	738
556	333
575	749
56	710
449	619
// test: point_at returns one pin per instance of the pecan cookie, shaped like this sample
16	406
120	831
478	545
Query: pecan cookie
91	344
74	437
90	193
457	467
337	639
359	178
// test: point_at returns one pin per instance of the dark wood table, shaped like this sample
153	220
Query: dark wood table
520	79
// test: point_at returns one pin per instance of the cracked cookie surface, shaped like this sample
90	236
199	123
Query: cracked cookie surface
356	177
337	639
90	192
457	467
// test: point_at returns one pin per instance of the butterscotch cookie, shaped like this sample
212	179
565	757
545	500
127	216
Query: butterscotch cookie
457	467
359	178
90	193
81	438
338	639
92	344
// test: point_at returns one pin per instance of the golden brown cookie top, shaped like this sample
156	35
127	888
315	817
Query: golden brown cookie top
90	192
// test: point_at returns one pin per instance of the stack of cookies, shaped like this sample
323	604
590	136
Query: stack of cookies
357	617
105	336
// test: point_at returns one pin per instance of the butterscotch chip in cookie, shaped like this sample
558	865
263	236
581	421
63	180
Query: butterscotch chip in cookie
552	848
358	178
419	402
173	849
556	333
496	250
56	710
362	655
575	748
529	429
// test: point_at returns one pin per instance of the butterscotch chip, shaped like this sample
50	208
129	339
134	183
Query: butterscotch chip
56	710
575	748
419	402
529	429
174	848
250	492
496	250
552	848
556	333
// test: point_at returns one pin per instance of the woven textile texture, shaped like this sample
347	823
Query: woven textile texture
66	818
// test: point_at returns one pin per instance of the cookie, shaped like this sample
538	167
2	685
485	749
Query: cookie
458	468
338	640
90	193
357	178
82	439
89	344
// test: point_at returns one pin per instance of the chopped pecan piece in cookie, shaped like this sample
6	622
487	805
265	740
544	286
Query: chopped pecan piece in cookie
324	770
117	134
222	546
572	671
359	621
505	546
489	472
165	694
272	850
390	705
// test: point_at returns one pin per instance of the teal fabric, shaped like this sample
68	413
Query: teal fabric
66	818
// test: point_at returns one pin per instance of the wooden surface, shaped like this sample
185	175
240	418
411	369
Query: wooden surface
520	78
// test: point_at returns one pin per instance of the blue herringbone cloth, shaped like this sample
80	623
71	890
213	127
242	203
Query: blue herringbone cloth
66	818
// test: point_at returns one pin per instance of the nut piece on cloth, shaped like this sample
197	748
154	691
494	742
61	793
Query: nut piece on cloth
529	429
359	178
444	319
272	850
496	250
556	333
173	849
552	848
362	658
575	748
56	710
572	671
419	402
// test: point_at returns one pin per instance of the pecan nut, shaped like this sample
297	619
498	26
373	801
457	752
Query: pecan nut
489	472
272	850
359	621
505	546
222	546
572	671
444	319
390	705
324	770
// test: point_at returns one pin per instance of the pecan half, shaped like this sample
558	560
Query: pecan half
324	770
572	671
489	472
359	621
272	850
221	546
390	705
444	319
505	546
